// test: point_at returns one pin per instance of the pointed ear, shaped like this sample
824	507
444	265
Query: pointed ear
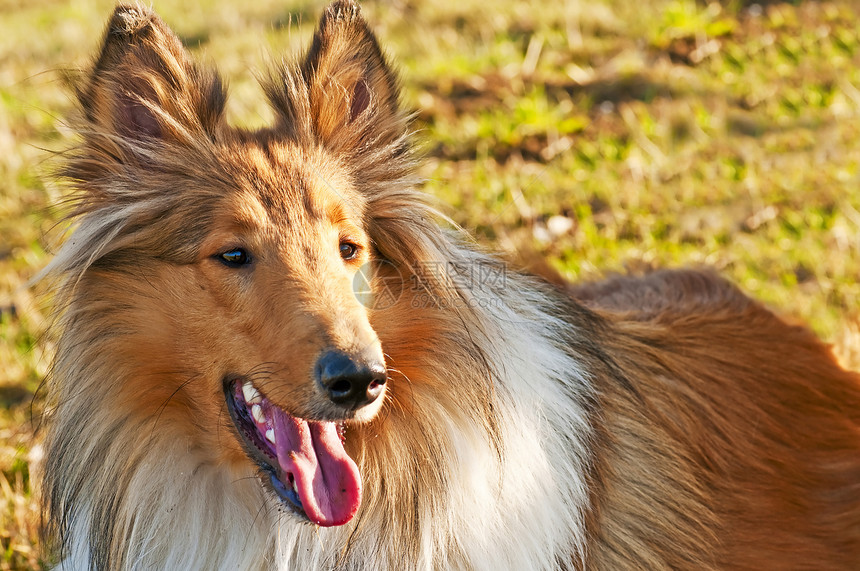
350	92
144	86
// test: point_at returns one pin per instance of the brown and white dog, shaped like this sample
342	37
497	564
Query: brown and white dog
222	398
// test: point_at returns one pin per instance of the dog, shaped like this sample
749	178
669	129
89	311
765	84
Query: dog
270	355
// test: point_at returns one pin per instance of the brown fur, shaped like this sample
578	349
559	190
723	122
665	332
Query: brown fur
762	471
664	421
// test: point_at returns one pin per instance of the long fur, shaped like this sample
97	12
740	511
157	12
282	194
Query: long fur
657	422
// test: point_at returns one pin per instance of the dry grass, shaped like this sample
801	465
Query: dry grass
593	134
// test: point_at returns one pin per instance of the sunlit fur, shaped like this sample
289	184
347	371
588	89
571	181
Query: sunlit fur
657	422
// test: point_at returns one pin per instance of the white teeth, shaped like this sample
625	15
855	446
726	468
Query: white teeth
270	435
295	488
257	412
251	394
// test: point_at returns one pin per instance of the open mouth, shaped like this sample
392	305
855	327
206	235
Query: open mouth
305	461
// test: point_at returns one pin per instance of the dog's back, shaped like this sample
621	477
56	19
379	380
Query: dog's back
728	439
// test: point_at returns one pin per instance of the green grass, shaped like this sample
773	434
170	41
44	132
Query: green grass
599	135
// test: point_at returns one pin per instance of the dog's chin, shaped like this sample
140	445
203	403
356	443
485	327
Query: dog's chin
302	461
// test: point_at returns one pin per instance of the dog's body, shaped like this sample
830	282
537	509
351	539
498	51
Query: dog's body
212	349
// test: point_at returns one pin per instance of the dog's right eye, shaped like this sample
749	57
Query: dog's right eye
235	258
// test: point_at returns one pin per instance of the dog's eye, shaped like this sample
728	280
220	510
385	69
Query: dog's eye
348	250
235	258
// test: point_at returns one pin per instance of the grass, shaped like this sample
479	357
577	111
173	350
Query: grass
597	135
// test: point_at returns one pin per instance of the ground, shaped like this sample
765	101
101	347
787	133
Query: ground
597	135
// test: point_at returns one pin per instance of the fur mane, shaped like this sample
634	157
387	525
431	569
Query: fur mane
446	474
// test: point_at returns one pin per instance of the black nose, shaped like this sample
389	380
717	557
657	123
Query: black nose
348	381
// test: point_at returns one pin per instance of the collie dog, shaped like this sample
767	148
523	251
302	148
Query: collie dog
271	357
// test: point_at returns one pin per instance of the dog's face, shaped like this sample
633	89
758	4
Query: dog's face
251	243
275	276
296	353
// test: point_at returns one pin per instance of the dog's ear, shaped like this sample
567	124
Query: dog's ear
350	94
144	86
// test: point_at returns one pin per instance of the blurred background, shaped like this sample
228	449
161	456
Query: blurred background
580	137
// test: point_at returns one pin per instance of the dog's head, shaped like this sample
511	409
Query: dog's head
231	257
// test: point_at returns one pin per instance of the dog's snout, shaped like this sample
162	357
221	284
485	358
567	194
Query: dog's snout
350	381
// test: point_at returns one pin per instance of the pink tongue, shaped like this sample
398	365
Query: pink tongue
327	479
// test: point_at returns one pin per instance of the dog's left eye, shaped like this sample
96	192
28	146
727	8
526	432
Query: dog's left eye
348	250
235	258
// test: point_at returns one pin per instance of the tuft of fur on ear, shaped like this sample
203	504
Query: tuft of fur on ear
147	114
344	93
344	96
144	87
348	76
